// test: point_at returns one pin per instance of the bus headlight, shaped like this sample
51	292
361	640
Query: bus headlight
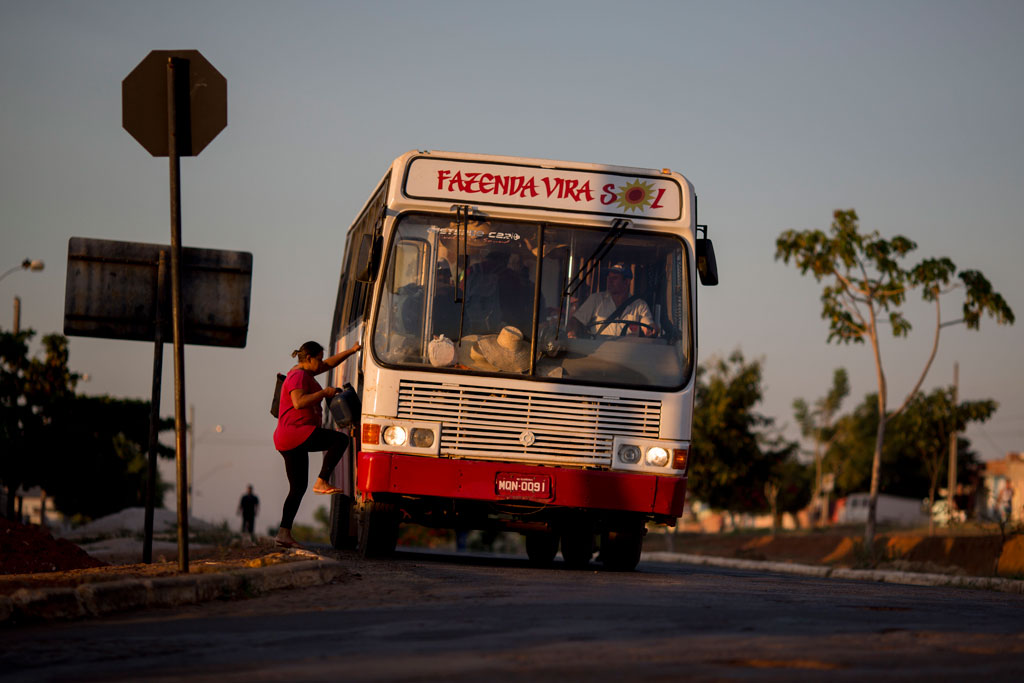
656	455
395	435
629	453
414	437
421	438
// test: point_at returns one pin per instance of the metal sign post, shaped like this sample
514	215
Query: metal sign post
174	103
177	106
154	406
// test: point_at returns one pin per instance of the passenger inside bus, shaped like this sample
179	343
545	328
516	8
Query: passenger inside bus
499	293
613	312
445	310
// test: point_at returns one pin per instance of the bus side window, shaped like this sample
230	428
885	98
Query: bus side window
339	304
362	258
355	289
407	283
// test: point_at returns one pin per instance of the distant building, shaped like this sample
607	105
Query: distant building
998	475
30	505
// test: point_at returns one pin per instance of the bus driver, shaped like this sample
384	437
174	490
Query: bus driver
616	306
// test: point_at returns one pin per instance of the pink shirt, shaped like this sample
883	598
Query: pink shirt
294	426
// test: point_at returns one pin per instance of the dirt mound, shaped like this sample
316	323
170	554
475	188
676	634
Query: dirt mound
26	549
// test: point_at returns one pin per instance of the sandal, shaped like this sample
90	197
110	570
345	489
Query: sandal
281	543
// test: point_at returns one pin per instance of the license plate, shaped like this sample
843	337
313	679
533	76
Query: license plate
521	485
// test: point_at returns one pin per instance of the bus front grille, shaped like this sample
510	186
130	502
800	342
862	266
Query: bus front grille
481	422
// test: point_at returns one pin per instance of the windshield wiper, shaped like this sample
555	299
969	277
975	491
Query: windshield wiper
461	260
618	228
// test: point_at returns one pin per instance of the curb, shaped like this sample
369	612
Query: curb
107	597
817	571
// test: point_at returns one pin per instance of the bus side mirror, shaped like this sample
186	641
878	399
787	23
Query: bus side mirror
368	259
707	267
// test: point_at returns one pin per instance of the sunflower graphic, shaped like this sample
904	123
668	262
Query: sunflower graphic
636	196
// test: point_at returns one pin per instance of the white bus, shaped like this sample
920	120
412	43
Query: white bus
529	353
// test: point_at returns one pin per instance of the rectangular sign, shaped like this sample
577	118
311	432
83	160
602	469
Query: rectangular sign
641	196
522	485
111	292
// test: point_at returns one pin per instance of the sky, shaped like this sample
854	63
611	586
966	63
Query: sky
779	113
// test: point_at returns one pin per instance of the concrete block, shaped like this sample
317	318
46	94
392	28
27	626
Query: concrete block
306	574
47	603
171	591
107	597
6	608
278	576
221	586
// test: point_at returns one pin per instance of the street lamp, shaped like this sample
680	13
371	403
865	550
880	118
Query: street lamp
27	264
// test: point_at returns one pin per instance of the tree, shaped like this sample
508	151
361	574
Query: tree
816	424
88	453
31	389
850	449
98	460
735	448
929	422
788	489
865	281
904	471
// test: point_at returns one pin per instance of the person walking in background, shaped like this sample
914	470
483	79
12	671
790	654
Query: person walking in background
1004	501
248	506
299	432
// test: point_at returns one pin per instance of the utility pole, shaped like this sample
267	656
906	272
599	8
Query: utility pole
42	492
191	451
951	483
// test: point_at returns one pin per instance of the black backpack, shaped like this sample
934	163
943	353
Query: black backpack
276	403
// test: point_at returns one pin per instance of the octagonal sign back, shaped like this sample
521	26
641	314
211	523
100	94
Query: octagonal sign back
144	103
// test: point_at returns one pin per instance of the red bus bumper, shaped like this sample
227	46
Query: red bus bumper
478	480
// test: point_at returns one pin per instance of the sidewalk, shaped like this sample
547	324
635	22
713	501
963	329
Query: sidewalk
97	596
826	572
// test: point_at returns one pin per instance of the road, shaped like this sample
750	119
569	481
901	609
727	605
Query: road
458	618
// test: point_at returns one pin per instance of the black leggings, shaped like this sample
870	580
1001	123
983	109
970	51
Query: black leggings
296	465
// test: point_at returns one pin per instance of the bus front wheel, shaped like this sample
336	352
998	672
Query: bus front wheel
378	528
343	536
621	546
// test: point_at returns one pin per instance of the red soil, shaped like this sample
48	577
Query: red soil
27	549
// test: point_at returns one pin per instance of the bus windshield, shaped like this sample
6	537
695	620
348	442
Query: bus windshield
534	300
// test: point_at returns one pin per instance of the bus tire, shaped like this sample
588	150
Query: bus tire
577	546
541	547
621	547
342	517
378	529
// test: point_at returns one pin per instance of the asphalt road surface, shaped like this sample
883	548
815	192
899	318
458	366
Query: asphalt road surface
459	618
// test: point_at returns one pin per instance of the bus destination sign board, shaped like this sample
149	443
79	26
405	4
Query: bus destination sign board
578	191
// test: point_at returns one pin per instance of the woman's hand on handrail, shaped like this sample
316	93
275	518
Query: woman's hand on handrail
335	360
